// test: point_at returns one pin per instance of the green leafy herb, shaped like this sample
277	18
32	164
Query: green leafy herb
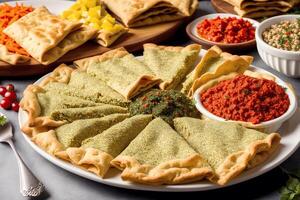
3	120
291	191
281	40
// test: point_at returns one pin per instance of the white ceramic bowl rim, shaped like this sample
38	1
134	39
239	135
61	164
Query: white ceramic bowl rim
222	15
259	31
291	110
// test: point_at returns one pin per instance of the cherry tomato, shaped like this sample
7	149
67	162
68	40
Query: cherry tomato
2	91
10	95
10	87
5	103
15	106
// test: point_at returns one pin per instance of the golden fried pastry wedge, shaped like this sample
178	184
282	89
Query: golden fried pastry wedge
134	13
47	37
213	64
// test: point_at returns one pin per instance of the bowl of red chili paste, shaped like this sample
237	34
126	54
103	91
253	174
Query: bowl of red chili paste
254	102
230	32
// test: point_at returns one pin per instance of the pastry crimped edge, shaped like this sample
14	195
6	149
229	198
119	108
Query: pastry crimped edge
215	52
254	154
165	85
61	74
35	122
105	38
191	47
85	62
175	171
11	58
90	159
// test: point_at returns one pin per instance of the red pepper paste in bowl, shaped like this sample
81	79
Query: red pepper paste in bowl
226	30
247	99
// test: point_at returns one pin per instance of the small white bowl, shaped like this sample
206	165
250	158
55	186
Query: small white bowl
268	126
286	62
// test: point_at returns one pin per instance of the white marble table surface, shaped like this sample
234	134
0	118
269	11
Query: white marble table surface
62	185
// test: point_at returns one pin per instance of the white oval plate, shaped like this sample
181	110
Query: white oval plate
290	133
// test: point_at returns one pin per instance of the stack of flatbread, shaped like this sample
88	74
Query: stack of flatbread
135	13
261	8
47	37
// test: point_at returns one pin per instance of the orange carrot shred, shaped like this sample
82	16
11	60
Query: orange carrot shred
8	15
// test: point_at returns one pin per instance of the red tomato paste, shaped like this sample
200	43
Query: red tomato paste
226	30
246	99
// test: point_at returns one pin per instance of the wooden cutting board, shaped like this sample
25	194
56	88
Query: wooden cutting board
132	41
222	6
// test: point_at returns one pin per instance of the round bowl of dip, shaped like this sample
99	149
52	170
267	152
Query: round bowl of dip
277	44
285	92
230	32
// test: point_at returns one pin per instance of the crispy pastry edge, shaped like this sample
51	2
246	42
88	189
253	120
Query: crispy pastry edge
174	171
255	153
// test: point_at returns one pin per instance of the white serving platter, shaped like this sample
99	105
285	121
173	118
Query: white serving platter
290	132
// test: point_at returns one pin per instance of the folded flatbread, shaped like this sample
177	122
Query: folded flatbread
70	42
11	58
158	155
120	71
135	13
106	38
171	64
67	81
47	37
214	64
72	134
263	11
229	148
241	4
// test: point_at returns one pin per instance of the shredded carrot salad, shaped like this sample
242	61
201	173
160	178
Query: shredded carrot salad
8	15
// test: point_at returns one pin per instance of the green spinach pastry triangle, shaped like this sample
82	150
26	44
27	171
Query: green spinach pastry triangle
121	71
72	134
96	152
159	155
229	148
171	64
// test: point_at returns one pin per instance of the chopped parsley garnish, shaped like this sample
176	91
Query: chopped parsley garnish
291	190
3	120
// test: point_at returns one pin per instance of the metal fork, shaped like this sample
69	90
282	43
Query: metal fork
30	186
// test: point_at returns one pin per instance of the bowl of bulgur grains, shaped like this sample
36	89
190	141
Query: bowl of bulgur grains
278	43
